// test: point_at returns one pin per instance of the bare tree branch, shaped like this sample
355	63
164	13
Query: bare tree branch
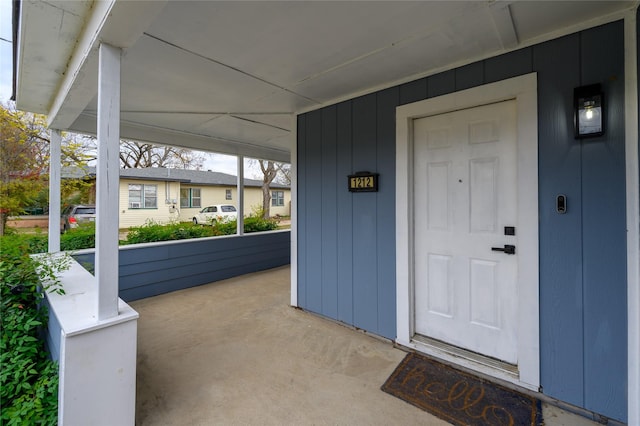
141	155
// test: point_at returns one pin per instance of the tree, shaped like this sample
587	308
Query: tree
22	162
136	155
270	171
284	174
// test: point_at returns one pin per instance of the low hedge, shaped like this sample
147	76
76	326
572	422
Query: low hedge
75	239
28	378
151	232
84	237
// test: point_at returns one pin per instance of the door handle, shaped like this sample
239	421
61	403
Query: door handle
507	249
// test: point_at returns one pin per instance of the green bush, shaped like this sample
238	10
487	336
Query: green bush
79	238
227	227
152	231
251	224
82	237
258	224
28	378
29	243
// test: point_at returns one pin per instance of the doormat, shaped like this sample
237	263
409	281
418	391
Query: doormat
458	397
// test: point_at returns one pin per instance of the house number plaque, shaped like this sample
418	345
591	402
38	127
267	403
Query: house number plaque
363	182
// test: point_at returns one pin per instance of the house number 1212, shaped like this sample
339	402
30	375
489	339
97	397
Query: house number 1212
363	182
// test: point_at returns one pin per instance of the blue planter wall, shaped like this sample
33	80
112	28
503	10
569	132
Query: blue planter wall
346	241
147	270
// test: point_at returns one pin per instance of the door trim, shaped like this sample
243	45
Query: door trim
524	90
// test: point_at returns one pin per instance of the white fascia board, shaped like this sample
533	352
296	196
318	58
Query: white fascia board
115	22
161	136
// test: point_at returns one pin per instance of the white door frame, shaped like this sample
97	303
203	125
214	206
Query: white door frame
524	90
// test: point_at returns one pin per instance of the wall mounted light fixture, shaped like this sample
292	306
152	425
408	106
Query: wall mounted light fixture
588	111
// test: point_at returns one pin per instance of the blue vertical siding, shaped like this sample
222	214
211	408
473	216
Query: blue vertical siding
604	229
344	209
582	253
413	91
469	76
441	84
561	321
329	199
509	65
313	218
365	220
387	101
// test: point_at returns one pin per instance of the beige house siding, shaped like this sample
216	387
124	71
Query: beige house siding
168	202
164	211
208	195
213	188
252	200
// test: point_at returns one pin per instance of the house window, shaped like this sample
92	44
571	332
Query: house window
277	198
143	196
190	197
195	197
184	197
227	194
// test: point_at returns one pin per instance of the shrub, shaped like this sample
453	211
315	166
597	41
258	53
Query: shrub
29	243
28	378
152	231
227	227
82	237
75	239
251	224
258	224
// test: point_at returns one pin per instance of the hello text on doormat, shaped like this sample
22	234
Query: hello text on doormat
458	397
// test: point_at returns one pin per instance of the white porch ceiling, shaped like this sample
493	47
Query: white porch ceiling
227	76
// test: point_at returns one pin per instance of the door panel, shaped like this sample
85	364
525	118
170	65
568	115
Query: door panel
465	182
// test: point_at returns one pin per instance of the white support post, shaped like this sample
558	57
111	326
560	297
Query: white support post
108	175
54	190
240	181
633	219
294	210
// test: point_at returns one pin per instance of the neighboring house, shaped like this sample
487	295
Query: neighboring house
495	238
164	195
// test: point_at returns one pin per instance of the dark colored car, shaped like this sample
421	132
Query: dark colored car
74	215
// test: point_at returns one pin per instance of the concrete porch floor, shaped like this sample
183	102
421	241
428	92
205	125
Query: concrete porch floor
234	352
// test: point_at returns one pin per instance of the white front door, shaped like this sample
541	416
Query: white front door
466	177
466	227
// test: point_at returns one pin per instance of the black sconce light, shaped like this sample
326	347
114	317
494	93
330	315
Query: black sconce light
588	111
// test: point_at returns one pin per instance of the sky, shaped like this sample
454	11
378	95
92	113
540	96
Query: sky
6	72
215	162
